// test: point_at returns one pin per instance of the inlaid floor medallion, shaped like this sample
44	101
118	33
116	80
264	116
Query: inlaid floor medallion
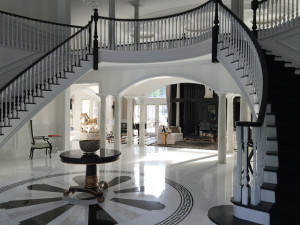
131	199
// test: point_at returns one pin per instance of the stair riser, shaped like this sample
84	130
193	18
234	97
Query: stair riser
267	195
251	215
272	146
271	132
272	160
270	177
270	120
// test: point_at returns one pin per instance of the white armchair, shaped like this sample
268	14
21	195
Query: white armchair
174	135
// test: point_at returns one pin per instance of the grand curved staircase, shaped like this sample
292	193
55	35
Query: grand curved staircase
265	187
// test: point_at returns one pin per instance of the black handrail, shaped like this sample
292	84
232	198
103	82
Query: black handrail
157	18
38	20
44	56
263	105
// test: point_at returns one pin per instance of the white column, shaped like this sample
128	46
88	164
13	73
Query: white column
117	123
129	121
222	129
245	114
178	106
102	120
229	132
142	121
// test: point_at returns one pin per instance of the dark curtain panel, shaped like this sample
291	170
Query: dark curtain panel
169	104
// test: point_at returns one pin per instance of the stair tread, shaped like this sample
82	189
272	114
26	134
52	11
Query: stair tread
271	168
272	153
269	186
223	215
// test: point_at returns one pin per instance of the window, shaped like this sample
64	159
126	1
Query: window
137	114
95	109
160	93
85	106
163	115
151	118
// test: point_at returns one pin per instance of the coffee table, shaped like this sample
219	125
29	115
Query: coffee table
91	177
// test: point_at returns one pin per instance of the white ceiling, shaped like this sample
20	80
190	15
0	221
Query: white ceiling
80	13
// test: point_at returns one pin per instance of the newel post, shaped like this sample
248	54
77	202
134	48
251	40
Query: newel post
215	33
95	49
254	7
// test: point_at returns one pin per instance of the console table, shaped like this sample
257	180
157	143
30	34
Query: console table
91	177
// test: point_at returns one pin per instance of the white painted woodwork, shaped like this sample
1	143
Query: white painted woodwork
272	145
270	177
271	160
251	215
267	195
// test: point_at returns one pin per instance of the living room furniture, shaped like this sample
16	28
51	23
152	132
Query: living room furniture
164	138
38	142
174	135
91	177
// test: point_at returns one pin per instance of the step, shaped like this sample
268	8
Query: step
270	177
272	145
223	215
267	195
270	119
271	131
271	160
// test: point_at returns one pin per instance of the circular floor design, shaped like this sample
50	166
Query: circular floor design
133	198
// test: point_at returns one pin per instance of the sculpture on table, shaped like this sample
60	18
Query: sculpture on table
87	119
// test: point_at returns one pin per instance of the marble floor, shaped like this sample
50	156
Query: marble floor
148	185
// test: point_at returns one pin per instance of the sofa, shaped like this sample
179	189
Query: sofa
174	134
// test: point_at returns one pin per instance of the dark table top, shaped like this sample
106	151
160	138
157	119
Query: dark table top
100	156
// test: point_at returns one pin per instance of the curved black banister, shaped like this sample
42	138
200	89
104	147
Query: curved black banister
41	58
264	101
38	20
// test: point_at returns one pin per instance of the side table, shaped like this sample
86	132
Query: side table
91	177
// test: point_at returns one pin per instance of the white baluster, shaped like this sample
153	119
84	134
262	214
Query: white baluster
245	193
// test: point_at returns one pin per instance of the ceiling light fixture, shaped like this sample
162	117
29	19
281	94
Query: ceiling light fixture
94	4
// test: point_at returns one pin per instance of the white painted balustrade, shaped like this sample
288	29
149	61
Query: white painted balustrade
38	77
251	139
173	31
244	53
275	16
27	33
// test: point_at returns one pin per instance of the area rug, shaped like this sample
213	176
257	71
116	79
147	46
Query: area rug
191	144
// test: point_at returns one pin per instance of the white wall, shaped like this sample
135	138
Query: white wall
51	10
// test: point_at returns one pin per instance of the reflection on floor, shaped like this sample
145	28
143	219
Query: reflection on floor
149	185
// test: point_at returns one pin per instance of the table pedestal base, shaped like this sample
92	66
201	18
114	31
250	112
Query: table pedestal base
91	184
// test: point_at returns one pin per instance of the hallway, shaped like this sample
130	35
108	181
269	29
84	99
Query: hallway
156	183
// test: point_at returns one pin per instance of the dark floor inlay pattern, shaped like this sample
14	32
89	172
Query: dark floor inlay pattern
45	187
97	215
131	190
27	202
46	217
147	205
118	180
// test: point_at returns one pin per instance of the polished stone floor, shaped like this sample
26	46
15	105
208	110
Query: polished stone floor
149	185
